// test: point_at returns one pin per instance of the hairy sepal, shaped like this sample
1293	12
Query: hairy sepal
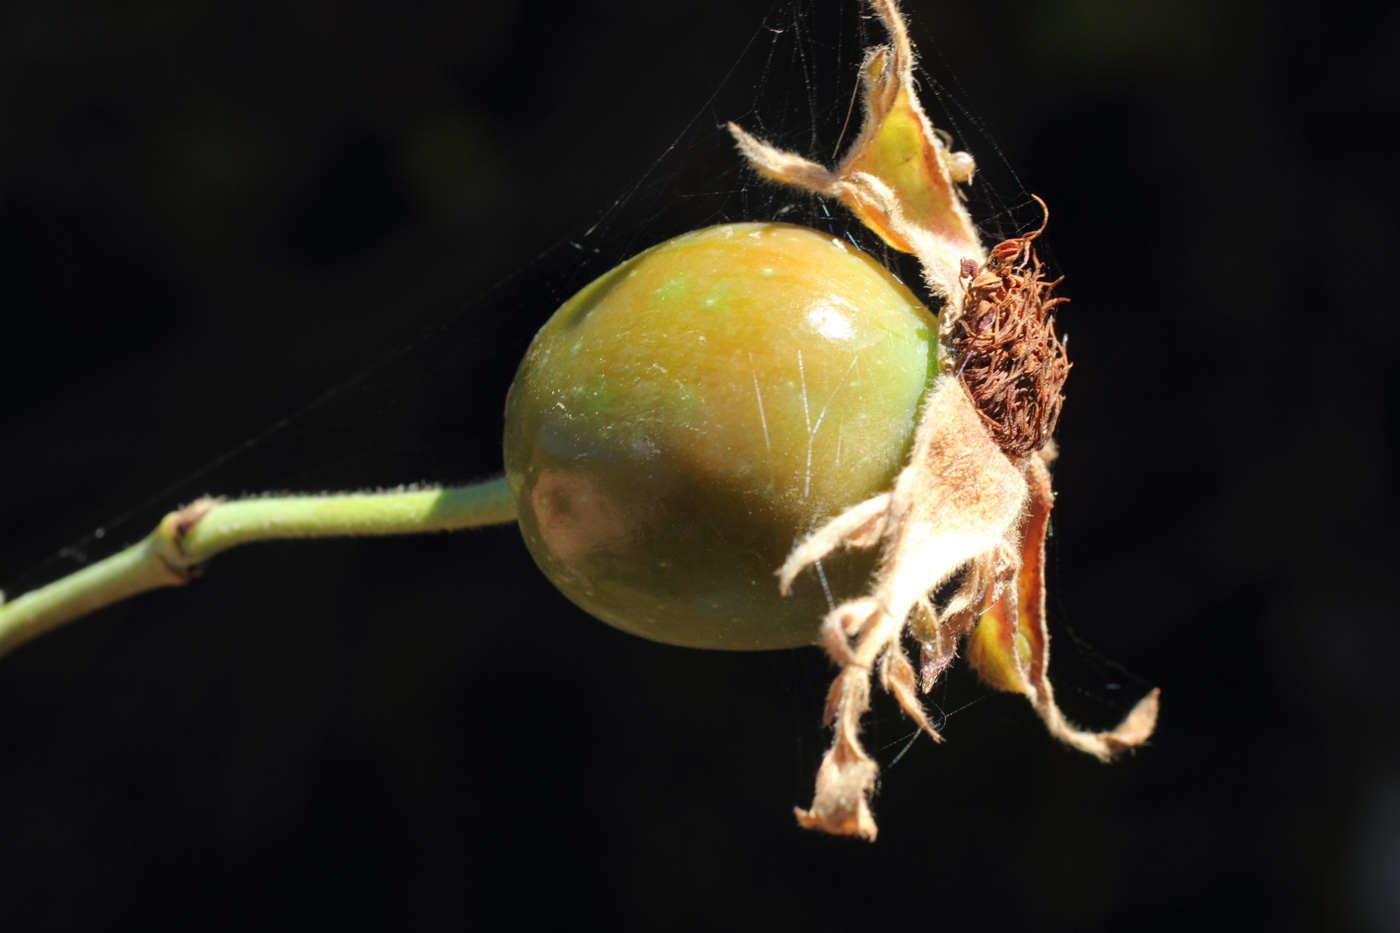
1010	647
955	507
899	177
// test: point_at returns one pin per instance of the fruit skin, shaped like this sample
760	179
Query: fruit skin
679	423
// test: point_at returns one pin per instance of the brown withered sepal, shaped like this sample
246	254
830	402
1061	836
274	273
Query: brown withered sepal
1004	343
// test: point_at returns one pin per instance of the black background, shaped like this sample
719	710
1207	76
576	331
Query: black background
214	215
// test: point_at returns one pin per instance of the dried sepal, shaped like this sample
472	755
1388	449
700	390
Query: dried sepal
1010	648
847	773
860	526
956	506
971	508
897	677
898	177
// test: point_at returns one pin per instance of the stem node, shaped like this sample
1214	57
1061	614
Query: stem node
174	553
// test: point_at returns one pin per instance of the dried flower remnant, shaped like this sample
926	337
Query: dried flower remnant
972	506
1005	347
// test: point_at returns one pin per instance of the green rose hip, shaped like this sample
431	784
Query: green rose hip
679	423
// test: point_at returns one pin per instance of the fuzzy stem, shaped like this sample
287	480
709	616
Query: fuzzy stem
184	539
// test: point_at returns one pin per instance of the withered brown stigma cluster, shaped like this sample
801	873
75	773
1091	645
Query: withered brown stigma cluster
1007	354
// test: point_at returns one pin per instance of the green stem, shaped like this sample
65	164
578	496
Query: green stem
187	538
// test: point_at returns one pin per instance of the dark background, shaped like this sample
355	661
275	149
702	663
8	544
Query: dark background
214	216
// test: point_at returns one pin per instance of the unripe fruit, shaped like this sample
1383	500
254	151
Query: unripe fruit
682	420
